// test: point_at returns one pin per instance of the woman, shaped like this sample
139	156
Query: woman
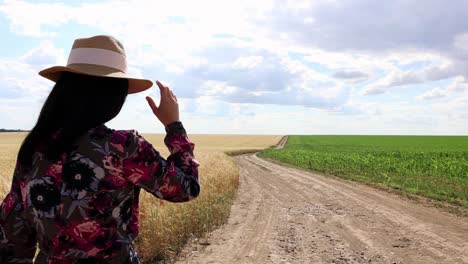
76	183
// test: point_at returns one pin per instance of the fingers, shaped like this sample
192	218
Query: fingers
166	92
163	89
152	104
173	95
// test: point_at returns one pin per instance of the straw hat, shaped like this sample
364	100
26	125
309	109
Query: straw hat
98	56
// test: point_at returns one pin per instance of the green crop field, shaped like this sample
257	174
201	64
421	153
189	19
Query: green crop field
432	166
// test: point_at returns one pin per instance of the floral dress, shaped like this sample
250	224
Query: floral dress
84	207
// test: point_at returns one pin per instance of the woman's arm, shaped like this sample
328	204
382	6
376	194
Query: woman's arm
17	237
174	179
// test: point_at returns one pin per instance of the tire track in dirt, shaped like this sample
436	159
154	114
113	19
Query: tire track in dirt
286	215
282	142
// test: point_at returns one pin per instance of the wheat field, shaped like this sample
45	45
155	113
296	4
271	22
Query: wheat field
166	227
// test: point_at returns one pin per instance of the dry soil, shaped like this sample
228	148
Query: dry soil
286	215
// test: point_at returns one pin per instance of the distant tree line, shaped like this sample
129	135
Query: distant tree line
12	130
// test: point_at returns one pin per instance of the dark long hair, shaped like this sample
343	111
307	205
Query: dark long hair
76	104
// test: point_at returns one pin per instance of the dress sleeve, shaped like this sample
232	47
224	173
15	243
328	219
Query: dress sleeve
174	179
17	237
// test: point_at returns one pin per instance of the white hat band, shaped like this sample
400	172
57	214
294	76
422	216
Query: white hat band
101	57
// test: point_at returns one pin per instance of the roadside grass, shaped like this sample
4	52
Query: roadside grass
431	166
166	227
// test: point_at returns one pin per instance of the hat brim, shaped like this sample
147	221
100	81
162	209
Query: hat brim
135	85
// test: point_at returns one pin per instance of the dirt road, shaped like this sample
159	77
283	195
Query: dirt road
282	142
285	215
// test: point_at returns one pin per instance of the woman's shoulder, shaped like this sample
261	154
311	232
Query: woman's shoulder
122	140
113	134
123	135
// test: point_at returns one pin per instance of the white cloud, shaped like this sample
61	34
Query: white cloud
461	42
217	89
19	79
433	94
457	86
394	78
397	77
350	74
44	55
249	62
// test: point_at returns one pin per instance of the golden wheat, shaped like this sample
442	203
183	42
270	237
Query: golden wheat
166	227
9	147
217	142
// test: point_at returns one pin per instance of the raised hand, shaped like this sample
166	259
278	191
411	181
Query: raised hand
168	109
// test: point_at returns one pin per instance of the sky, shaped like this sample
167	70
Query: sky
257	67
